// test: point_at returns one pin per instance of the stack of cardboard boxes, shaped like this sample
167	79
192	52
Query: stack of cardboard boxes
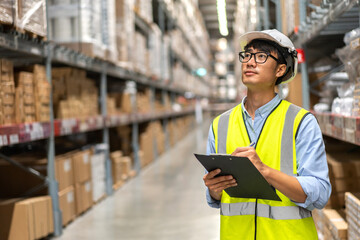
74	96
344	173
125	30
42	91
143	101
7	99
353	214
141	55
64	173
73	173
82	180
146	146
25	99
159	136
121	168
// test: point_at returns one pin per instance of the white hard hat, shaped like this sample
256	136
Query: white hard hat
281	39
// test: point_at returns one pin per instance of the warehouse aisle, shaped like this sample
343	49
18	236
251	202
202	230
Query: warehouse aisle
166	201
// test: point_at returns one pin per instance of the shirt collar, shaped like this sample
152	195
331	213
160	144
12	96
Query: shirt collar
264	110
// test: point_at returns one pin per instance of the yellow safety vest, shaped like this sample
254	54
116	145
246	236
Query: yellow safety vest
276	148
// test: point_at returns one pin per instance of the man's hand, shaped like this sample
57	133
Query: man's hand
286	184
251	154
217	184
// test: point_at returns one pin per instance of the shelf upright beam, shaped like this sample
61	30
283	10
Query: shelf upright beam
161	16
152	109
135	131
303	66
105	131
279	27
165	121
52	183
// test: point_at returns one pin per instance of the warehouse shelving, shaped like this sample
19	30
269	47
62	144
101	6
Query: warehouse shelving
341	127
27	50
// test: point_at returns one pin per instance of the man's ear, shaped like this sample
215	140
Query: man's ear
280	70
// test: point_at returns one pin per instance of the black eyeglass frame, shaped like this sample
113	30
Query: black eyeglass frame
267	54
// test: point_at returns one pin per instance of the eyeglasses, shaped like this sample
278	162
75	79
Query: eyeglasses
260	57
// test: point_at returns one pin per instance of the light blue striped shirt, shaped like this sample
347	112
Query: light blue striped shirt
310	153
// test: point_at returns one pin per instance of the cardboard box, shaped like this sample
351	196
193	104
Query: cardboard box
83	196
67	204
336	225
31	16
6	12
64	172
26	219
82	166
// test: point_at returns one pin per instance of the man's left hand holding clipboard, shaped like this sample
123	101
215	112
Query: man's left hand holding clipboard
217	184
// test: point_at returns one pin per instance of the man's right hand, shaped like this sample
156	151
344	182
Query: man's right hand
217	184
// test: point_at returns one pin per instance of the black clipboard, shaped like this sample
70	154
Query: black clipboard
251	184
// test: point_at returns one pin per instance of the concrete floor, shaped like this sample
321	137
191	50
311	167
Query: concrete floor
165	201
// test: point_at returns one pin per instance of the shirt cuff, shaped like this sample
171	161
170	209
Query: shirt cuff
311	188
212	202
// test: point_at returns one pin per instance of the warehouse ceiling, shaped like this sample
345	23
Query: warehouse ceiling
209	12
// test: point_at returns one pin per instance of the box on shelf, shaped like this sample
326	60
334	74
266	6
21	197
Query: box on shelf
30	16
335	227
74	95
121	167
83	196
147	147
87	27
33	216
67	204
25	100
344	174
352	200
125	32
64	171
6	12
7	93
82	166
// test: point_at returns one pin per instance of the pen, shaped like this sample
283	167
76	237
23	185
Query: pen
252	144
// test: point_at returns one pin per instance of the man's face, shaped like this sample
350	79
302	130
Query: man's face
260	75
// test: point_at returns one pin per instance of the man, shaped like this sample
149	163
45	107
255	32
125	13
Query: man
283	141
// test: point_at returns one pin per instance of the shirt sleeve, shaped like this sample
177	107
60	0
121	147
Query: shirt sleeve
313	173
210	148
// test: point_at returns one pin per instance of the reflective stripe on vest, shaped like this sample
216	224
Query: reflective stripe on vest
263	210
222	135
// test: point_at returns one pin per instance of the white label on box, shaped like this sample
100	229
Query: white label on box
67	165
4	139
86	158
70	197
14	138
88	186
1	140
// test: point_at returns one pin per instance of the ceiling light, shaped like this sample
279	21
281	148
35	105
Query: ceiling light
221	11
222	44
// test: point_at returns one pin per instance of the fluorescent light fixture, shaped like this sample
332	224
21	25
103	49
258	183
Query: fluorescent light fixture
221	11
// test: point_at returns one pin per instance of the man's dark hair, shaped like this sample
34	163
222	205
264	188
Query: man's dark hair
268	46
